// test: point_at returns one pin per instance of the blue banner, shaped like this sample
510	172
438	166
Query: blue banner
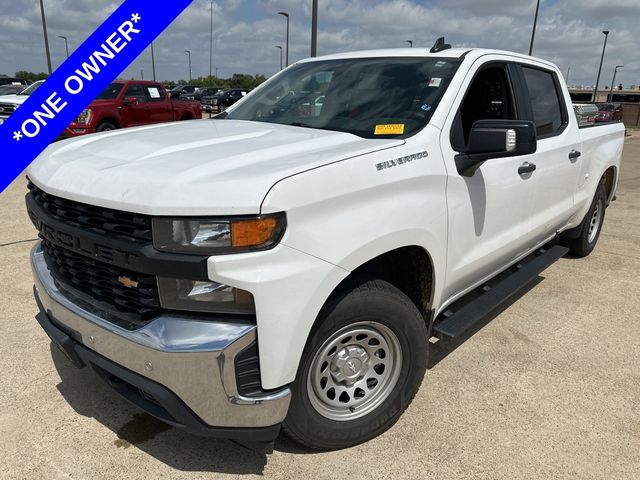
80	79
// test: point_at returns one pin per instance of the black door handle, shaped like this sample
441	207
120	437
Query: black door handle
526	167
574	154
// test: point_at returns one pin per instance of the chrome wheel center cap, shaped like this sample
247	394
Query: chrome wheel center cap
349	364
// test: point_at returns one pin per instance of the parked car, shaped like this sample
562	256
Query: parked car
129	104
176	92
585	113
287	265
609	112
10	103
201	92
222	100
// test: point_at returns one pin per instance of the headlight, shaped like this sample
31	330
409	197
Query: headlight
215	237
197	296
84	118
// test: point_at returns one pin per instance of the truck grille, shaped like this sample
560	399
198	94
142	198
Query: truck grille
124	225
105	284
7	108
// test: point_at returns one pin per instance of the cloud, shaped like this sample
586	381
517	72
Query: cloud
246	31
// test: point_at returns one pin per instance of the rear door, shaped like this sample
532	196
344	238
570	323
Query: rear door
558	157
159	108
489	211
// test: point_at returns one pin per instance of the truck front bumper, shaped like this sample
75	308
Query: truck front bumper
179	369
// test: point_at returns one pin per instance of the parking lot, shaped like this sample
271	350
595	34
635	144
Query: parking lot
548	388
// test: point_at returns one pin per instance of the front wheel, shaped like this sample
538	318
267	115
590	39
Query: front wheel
362	366
586	235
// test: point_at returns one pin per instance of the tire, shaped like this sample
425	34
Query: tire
106	127
359	329
582	240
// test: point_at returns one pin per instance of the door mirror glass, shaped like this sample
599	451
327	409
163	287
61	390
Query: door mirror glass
496	139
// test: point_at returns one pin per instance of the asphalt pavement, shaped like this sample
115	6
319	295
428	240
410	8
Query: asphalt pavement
547	388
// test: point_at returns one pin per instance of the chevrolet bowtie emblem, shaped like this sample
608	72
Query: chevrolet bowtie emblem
127	282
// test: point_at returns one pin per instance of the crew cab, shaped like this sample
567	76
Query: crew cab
287	263
129	104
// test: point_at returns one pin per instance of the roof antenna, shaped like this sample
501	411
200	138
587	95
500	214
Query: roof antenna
439	46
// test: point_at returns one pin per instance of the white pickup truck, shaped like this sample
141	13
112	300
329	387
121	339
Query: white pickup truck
287	263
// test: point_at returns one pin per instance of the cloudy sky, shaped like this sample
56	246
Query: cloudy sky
245	32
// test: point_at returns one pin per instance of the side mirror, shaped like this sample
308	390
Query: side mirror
130	102
496	139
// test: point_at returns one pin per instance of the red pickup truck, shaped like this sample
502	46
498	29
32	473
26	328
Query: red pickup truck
131	103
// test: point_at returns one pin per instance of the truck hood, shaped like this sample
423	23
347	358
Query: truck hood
200	167
14	99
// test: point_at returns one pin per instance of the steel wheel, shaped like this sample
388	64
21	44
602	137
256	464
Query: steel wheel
354	371
594	223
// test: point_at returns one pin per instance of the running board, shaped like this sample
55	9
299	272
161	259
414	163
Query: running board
456	320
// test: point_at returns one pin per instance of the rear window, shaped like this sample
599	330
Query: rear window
545	101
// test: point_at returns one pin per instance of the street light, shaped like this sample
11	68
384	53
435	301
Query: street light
153	62
610	97
410	42
278	46
211	43
188	52
595	90
314	29
533	32
46	37
285	14
66	43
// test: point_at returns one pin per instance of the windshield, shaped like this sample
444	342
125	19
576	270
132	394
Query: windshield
111	92
31	88
369	97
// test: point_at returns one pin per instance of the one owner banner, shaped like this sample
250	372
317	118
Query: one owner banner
74	85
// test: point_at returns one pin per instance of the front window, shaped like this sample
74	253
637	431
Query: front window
111	92
368	97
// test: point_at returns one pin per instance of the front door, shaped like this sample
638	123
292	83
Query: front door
489	211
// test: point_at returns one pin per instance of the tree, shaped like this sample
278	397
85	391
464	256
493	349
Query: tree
31	76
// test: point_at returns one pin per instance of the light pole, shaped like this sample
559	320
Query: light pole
46	37
153	62
615	72
566	79
188	52
410	42
285	14
217	68
211	44
278	46
533	32
595	90
66	43
314	29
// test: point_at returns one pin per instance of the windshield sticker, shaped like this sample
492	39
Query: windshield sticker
390	129
153	92
440	64
401	161
425	107
435	82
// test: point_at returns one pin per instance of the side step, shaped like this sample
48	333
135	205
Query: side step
455	321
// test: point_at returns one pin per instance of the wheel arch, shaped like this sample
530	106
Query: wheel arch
609	178
108	120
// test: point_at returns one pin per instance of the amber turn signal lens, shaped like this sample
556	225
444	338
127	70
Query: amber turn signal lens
252	233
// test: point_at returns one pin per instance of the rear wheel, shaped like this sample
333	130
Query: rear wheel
361	368
582	240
